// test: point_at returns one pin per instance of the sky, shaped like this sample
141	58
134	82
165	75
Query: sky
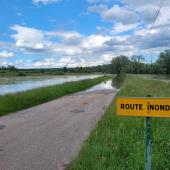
59	33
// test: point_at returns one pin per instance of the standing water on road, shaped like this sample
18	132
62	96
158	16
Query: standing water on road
18	84
107	85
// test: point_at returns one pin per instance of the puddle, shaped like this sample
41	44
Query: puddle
107	85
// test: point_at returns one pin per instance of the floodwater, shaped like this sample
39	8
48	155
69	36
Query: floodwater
18	84
107	85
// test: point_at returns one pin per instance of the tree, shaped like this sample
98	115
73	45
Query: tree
164	61
137	64
119	64
65	69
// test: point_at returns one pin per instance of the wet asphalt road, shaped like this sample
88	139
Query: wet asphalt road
49	136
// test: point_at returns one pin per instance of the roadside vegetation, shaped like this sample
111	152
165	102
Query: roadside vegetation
118	143
18	101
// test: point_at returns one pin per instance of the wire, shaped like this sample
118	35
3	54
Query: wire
146	36
154	19
157	13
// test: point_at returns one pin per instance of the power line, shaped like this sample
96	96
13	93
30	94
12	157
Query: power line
157	13
148	33
154	19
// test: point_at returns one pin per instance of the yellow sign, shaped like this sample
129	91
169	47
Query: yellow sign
147	107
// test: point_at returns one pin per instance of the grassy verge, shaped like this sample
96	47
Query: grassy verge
118	143
14	102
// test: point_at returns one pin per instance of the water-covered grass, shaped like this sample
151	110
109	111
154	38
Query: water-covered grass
18	101
118	143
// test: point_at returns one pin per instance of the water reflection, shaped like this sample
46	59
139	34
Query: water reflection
102	86
17	84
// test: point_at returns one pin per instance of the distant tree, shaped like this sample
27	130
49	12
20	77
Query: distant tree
65	69
164	61
11	68
120	64
137	64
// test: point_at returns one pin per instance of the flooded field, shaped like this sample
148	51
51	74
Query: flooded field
18	84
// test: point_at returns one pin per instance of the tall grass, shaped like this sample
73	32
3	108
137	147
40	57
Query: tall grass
118	143
14	102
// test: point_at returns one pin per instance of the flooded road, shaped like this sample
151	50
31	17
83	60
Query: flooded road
107	85
50	136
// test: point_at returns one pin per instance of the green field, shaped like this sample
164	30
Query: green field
118	143
18	101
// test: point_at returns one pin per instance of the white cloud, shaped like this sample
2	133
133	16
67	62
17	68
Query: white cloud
94	41
48	62
120	14
145	3
99	28
45	2
67	50
67	34
29	45
97	9
5	63
29	38
71	44
89	50
131	21
147	10
128	25
69	37
63	61
75	44
27	34
115	14
119	27
6	54
107	58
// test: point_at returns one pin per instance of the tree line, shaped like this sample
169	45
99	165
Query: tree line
135	65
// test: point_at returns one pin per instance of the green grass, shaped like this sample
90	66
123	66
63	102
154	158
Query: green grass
118	143
14	102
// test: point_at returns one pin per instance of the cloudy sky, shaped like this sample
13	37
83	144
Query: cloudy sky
57	33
